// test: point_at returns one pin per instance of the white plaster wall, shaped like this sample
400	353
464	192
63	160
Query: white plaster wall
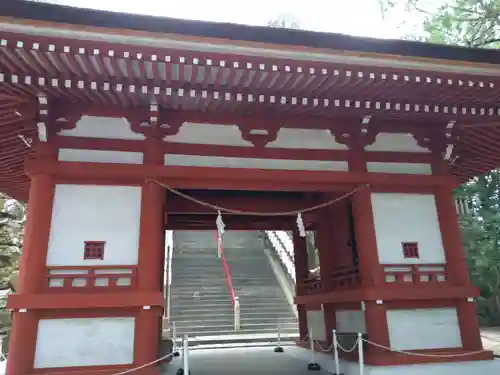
312	139
350	321
84	342
424	328
395	142
230	135
408	168
209	134
254	163
94	213
102	127
407	218
316	325
100	156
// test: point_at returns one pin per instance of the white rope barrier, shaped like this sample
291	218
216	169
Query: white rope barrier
324	350
129	371
348	350
415	354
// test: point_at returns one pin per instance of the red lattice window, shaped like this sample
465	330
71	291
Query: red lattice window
94	250
410	250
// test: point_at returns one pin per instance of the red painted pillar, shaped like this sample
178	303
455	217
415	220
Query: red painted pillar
324	244
36	235
151	246
151	261
456	267
32	269
301	273
22	343
456	263
371	272
325	234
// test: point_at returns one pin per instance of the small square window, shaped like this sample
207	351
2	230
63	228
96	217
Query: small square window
94	250
410	250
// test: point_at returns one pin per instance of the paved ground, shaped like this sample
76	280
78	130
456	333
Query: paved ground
491	339
237	361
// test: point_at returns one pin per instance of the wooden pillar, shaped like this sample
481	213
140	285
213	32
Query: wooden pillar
376	326
325	247
456	263
22	343
301	273
151	259
371	272
151	247
469	327
32	265
36	234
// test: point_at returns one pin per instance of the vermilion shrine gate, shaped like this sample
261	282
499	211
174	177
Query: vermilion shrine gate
96	108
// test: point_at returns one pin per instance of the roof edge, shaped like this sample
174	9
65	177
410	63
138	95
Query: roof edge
33	11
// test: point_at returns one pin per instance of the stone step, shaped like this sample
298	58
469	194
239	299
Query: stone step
185	298
176	283
238	338
229	325
268	331
229	318
220	314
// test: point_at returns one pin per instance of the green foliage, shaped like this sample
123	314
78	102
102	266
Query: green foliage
470	23
481	239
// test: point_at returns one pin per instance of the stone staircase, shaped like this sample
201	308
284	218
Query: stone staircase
200	300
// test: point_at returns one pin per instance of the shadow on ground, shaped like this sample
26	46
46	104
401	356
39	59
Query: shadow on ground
243	361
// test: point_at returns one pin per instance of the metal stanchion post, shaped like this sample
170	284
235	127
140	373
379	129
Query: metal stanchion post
174	336
361	354
313	365
279	348
184	370
336	353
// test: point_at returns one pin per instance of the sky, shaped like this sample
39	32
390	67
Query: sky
353	17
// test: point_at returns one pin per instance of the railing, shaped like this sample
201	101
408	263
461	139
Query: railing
415	273
234	299
311	285
345	278
90	278
283	246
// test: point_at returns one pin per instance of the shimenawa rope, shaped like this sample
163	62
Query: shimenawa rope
240	212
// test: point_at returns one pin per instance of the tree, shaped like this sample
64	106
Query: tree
471	23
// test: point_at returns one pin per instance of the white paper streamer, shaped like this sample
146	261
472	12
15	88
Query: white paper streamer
300	225
220	225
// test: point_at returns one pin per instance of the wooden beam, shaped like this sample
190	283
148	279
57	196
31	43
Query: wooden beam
245	202
228	178
207	222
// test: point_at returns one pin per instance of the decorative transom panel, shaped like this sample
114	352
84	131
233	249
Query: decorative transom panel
410	250
94	250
